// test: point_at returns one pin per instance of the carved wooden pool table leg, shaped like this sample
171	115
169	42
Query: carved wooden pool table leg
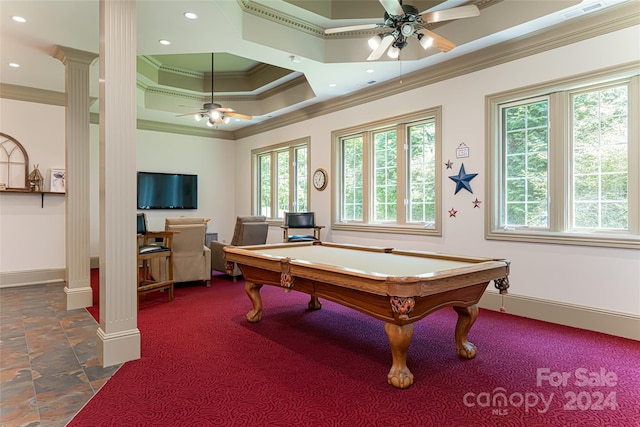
399	339
253	291
466	317
314	303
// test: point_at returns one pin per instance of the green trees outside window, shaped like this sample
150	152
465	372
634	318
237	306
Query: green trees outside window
563	162
389	175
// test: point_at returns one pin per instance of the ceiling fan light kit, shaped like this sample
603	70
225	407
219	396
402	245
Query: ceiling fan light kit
405	21
425	41
214	112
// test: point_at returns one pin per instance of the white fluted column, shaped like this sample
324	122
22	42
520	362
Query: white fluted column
118	335
77	212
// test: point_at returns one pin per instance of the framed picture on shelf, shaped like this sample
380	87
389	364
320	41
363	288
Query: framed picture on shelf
57	179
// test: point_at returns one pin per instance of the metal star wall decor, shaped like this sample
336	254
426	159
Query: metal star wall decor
476	203
462	180
449	164
452	213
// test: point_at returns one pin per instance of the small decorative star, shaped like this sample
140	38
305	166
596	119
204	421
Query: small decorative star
452	213
449	164
476	203
462	180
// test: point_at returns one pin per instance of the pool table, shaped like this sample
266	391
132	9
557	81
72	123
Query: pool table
398	287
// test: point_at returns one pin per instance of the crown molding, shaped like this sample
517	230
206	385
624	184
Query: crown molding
154	126
278	17
595	24
184	130
65	54
32	94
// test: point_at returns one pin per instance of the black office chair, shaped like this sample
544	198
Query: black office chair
301	220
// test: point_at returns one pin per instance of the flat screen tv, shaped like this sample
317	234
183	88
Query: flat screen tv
167	191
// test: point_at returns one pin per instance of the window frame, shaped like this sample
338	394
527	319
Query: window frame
400	123
560	170
273	151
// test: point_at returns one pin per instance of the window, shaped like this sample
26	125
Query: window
281	175
563	162
388	175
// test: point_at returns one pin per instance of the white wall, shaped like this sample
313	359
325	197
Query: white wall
33	237
600	278
211	159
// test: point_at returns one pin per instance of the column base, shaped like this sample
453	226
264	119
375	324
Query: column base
120	347
79	297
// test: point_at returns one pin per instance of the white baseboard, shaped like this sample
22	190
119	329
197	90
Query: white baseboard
608	322
79	297
32	277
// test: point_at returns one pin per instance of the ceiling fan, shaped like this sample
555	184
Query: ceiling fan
214	112
404	21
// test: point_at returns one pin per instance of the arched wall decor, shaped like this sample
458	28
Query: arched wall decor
14	163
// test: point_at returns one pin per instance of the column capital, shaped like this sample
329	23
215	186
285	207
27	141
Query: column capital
66	54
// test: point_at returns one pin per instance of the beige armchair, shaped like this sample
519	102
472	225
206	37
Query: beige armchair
191	258
250	230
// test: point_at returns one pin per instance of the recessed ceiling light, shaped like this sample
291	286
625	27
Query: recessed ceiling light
14	65
18	19
164	42
190	15
370	70
332	85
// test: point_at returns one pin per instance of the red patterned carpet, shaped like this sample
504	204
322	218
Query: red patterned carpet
203	364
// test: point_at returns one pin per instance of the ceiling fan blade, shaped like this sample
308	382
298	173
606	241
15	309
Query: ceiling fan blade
238	115
384	44
190	114
439	42
225	109
450	14
351	28
393	7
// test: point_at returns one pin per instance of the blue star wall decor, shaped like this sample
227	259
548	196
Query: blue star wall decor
462	180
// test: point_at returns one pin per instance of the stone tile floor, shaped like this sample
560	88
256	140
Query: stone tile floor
48	363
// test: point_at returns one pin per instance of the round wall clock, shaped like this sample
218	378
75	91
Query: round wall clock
320	179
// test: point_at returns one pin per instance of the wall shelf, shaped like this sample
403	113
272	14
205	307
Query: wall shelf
41	193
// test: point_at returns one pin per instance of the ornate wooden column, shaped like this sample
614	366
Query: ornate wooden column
77	211
118	335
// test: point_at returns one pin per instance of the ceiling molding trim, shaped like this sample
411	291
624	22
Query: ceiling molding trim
141	85
181	72
175	94
278	17
31	94
150	60
183	130
582	28
94	119
293	83
200	98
